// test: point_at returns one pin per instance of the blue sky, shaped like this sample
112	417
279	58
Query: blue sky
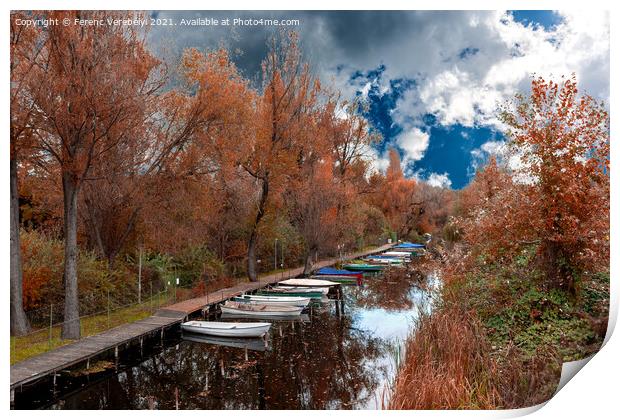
433	79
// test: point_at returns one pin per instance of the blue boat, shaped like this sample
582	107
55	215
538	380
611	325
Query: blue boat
408	245
329	271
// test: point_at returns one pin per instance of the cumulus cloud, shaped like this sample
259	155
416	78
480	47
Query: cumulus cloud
497	58
413	143
439	180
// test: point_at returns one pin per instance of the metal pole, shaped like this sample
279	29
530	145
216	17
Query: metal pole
275	255
49	342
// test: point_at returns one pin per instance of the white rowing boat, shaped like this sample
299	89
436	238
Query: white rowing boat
397	254
227	329
308	283
273	300
289	318
298	289
259	310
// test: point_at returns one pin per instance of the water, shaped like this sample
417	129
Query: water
341	355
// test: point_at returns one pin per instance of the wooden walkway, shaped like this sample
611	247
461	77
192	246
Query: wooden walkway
85	349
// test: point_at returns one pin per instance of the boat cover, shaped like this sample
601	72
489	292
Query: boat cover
409	245
334	271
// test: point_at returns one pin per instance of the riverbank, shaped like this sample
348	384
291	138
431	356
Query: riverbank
498	338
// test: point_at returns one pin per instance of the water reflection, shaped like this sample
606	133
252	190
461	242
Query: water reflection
338	356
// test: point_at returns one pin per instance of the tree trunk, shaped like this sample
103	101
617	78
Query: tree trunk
71	325
252	275
309	262
19	322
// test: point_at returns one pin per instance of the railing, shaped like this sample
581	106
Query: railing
48	337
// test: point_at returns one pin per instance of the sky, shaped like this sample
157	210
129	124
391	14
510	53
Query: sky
433	79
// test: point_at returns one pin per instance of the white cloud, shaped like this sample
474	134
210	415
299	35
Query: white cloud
496	148
377	163
507	54
413	143
439	180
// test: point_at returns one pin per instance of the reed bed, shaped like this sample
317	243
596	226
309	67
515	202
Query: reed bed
449	364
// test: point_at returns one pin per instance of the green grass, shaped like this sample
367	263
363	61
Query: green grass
40	341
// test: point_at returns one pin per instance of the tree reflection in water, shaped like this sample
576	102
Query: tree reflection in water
326	363
398	288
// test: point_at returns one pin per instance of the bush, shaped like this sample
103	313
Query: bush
42	262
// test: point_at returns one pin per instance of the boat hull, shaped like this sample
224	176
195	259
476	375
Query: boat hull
254	312
227	329
272	292
364	267
273	300
338	279
307	283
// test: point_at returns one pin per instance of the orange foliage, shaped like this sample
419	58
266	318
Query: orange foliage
558	197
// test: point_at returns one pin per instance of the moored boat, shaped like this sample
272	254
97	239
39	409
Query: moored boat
227	329
364	267
299	289
274	300
404	254
238	308
314	294
307	283
289	318
334	272
337	279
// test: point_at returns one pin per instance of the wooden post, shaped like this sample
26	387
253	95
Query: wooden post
49	342
140	277
108	309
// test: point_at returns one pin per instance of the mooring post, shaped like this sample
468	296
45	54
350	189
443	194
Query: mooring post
87	363
116	358
161	337
141	340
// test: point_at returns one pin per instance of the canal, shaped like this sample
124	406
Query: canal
342	354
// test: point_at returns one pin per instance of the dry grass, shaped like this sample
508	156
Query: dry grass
450	365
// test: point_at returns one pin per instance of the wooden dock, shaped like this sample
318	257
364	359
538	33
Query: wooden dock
85	349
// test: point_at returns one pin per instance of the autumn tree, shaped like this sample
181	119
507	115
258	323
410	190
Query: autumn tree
561	139
289	91
395	196
183	148
90	89
25	50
